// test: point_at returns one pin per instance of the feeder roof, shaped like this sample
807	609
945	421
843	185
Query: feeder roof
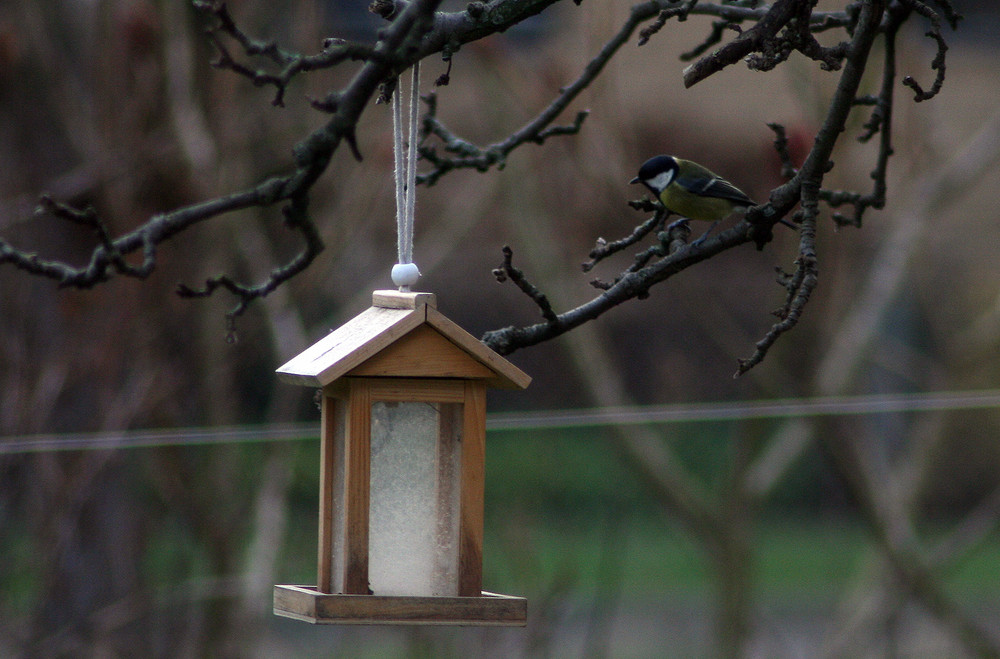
402	335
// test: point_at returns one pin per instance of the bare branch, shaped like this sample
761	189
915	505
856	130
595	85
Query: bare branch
312	156
296	217
803	188
508	271
719	29
468	155
630	285
604	249
761	46
106	258
681	13
799	285
482	158
334	52
809	179
669	241
755	39
417	30
781	146
938	63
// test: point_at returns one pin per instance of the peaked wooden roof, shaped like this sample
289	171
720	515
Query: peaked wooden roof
393	316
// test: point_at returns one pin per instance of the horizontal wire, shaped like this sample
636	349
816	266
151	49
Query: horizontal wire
150	438
541	420
757	409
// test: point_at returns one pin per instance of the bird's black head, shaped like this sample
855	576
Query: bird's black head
657	173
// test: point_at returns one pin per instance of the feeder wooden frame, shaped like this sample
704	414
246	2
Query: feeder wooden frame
401	350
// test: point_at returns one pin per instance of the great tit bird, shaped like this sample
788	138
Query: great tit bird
692	191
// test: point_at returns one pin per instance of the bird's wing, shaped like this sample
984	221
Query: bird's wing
713	186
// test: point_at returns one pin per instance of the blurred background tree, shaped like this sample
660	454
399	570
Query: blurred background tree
806	534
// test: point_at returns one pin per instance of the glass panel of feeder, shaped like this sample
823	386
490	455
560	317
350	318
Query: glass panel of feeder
414	495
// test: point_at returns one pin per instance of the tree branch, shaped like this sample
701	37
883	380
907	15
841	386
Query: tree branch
629	285
803	187
312	156
938	63
604	249
809	180
536	130
296	217
334	52
756	38
416	30
468	155
508	271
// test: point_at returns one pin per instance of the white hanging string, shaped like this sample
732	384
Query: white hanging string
405	272
400	173
411	165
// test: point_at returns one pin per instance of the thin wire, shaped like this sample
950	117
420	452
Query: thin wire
760	409
153	438
544	420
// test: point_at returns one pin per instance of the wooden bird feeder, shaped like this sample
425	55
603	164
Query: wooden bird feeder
402	458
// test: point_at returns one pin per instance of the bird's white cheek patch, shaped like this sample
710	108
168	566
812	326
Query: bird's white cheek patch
662	180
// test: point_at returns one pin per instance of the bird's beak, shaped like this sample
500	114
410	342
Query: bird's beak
635	180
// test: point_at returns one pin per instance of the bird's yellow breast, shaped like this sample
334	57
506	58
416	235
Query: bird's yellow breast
695	207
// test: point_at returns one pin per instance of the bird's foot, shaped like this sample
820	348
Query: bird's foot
683	222
699	241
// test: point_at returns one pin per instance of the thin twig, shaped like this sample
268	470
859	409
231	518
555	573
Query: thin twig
938	63
810	177
604	249
290	64
507	271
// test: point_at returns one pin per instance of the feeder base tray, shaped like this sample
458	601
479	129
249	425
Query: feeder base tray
308	604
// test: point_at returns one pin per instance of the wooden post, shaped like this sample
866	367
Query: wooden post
356	496
473	484
327	450
447	488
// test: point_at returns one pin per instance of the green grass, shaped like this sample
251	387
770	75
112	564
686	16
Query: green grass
564	514
793	560
19	575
